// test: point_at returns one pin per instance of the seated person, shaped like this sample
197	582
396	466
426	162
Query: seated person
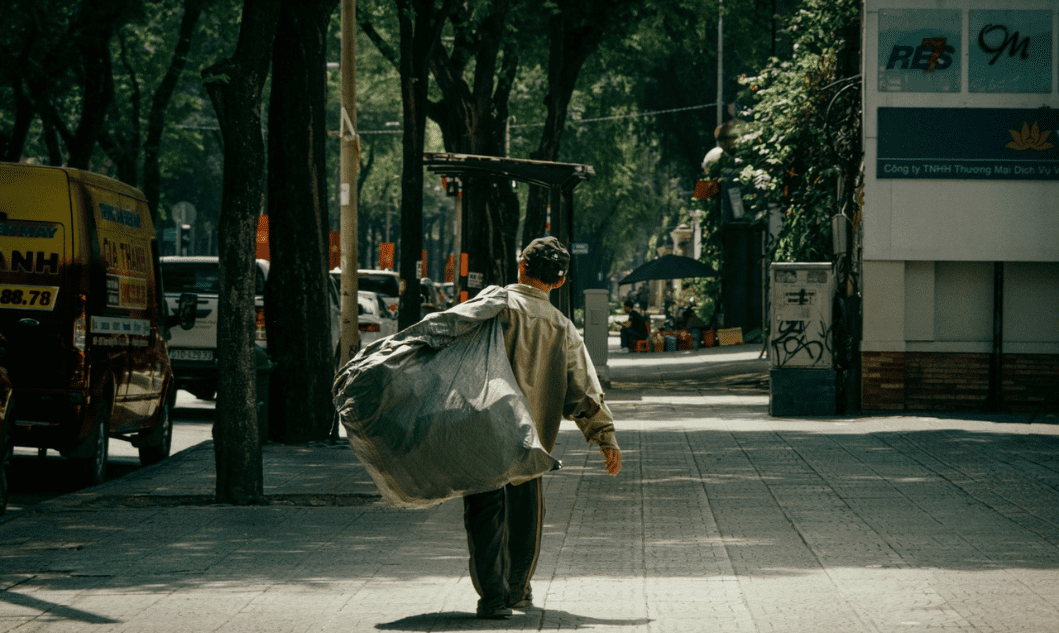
635	329
692	320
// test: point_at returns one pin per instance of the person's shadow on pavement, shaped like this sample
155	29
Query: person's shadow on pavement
463	621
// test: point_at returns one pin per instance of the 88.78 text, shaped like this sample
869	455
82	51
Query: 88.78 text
20	297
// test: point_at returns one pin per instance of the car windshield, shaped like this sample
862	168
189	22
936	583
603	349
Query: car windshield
383	285
198	277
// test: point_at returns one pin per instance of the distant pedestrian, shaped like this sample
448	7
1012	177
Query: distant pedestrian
555	373
635	329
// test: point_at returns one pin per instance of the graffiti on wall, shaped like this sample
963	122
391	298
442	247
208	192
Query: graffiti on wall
800	327
797	342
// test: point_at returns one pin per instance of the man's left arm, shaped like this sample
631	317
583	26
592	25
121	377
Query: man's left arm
585	405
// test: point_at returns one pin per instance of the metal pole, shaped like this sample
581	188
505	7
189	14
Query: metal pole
349	159
457	242
996	358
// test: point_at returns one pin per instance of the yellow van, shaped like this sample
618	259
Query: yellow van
82	310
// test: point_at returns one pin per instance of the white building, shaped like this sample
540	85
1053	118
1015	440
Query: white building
961	204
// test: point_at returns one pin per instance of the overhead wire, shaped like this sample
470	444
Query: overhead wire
616	117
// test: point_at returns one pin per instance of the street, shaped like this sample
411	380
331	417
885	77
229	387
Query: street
34	480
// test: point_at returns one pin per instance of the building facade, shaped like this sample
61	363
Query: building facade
961	205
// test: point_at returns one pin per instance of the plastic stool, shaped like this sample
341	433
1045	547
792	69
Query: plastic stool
642	345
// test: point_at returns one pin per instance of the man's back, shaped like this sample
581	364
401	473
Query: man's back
542	347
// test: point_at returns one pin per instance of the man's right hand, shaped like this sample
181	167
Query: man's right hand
613	457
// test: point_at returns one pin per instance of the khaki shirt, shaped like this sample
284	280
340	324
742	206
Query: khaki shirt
553	368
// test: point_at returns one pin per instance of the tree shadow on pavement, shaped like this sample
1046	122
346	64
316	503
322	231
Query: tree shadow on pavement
536	619
55	610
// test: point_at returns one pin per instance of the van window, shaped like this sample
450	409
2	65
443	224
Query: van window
199	277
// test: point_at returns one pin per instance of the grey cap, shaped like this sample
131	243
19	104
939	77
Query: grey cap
546	253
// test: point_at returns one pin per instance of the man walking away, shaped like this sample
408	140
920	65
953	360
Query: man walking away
555	373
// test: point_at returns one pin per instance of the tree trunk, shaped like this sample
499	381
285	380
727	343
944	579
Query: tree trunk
575	33
152	145
98	19
234	86
473	120
420	32
122	148
24	116
297	299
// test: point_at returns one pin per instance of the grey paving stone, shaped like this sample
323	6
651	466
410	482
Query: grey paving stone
723	519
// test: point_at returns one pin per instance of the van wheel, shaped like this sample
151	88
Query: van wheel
93	468
160	438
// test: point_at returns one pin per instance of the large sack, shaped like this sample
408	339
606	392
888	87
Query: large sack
434	412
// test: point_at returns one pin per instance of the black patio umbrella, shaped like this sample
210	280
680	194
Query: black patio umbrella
669	267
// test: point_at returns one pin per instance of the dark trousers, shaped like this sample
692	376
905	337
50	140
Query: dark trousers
504	539
630	336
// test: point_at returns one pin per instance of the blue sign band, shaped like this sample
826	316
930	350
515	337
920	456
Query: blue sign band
968	143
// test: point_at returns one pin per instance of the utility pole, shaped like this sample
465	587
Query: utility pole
349	165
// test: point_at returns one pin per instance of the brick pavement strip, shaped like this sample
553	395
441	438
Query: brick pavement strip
724	519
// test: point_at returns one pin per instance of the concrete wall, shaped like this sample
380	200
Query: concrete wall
930	247
947	306
929	244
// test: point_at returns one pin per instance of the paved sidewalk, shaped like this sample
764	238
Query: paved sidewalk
723	519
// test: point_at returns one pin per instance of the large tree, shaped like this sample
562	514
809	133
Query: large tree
475	76
235	87
152	147
575	30
801	147
80	61
420	32
298	321
62	72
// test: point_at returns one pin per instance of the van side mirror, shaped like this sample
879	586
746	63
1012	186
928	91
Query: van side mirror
186	312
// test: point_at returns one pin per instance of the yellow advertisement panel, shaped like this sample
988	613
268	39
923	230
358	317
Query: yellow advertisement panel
123	251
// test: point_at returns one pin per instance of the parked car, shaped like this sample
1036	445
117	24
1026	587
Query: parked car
385	283
373	318
193	352
82	311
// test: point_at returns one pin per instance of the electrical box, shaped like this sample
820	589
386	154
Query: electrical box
800	332
597	326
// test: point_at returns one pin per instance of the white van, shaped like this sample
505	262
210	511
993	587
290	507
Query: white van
193	353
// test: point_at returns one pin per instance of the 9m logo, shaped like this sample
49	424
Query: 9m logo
933	54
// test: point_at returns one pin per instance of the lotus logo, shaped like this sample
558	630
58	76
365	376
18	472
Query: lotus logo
1029	138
